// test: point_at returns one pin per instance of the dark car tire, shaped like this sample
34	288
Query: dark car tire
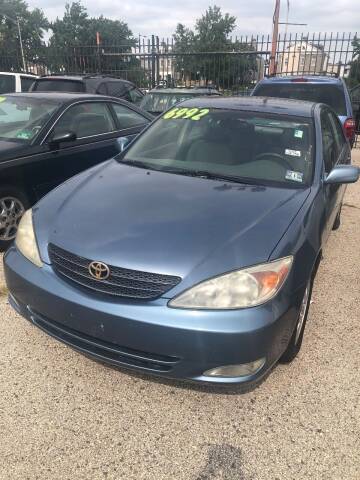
337	222
296	339
21	205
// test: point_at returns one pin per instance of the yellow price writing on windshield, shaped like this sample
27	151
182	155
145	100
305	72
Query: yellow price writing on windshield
187	113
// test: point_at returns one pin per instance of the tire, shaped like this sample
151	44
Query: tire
296	339
13	204
337	222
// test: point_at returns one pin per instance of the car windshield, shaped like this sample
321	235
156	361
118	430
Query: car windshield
22	118
238	146
58	85
160	102
7	83
314	92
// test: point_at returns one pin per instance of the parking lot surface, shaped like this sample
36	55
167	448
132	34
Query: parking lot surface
63	416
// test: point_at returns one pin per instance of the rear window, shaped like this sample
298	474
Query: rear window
57	85
160	102
330	94
7	83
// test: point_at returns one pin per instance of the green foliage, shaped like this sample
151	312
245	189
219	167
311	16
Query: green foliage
229	68
74	38
33	25
354	75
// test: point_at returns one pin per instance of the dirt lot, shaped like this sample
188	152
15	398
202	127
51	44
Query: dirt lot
63	416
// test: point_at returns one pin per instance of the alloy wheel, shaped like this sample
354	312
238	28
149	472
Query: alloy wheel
11	211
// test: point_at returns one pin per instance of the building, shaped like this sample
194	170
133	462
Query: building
302	57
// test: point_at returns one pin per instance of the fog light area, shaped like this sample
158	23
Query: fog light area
241	370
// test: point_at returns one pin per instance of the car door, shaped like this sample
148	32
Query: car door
335	151
96	134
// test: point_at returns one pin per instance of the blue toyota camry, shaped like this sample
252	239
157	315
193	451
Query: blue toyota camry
192	253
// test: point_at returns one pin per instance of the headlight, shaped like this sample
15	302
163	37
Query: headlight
26	241
239	289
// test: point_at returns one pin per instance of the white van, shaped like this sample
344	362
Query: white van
11	82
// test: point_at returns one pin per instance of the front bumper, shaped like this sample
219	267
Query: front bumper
150	336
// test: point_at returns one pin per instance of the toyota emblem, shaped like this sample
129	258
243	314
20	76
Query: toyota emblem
99	270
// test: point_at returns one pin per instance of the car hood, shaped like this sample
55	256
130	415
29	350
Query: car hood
165	223
9	149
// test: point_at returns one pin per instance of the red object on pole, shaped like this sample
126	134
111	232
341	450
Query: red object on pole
272	69
97	38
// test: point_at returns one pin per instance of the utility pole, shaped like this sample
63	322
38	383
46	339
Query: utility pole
21	44
17	23
272	68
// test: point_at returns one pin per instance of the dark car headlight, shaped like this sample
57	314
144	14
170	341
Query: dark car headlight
243	288
26	241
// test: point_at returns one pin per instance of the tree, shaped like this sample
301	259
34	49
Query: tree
354	74
33	25
221	61
73	43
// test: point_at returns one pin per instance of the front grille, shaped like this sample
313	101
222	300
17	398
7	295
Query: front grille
122	282
104	351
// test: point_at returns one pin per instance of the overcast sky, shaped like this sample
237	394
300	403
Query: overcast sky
160	17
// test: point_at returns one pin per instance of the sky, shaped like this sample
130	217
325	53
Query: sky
160	17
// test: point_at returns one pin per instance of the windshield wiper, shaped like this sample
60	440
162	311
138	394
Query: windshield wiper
136	163
192	173
214	176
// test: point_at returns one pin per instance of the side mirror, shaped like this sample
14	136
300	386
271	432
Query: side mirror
343	174
122	143
62	137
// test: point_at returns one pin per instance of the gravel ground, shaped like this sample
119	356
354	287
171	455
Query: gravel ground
63	416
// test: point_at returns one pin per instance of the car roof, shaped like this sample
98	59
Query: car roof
307	78
62	96
25	74
81	78
281	106
181	90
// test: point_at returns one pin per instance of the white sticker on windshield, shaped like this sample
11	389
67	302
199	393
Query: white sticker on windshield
294	176
292	153
298	134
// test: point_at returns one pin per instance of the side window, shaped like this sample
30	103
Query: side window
136	96
339	133
102	90
330	148
26	83
86	119
127	117
7	83
116	89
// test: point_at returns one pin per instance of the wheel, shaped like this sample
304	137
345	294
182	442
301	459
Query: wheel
13	204
337	220
297	337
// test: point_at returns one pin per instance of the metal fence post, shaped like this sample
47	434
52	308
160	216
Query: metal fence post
153	62
157	60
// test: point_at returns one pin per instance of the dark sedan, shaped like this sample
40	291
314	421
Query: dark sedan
45	138
199	259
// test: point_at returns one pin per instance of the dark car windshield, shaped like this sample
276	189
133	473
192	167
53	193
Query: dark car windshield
7	83
160	102
314	92
58	85
22	118
244	147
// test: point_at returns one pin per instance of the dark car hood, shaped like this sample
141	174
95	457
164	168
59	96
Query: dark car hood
11	149
165	223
